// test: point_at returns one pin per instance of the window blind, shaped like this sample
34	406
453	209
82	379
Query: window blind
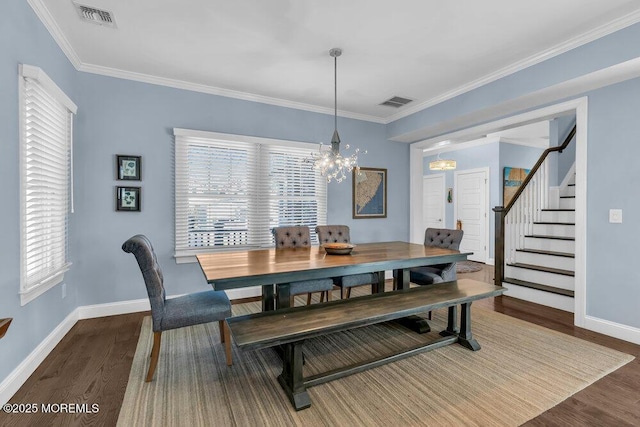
45	183
230	193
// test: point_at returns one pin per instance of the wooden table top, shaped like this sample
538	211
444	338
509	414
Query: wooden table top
229	270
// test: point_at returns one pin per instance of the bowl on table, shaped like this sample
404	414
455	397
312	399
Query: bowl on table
338	248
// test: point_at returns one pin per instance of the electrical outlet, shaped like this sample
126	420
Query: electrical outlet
615	216
64	290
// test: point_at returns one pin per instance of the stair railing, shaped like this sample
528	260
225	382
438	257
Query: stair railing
515	220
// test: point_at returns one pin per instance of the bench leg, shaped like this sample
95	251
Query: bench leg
452	322
465	337
291	378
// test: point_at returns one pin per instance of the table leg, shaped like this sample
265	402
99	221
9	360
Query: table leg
268	298
291	378
378	288
465	337
415	323
283	296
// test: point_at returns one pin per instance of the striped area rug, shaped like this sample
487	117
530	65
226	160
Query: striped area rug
521	371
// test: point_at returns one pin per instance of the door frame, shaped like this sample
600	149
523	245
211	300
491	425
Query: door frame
511	116
444	192
487	205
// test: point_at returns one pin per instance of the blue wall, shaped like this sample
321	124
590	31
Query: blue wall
124	117
23	39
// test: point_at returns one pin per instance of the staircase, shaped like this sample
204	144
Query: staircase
543	269
535	238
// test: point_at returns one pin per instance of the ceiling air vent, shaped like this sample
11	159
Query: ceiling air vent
97	16
396	101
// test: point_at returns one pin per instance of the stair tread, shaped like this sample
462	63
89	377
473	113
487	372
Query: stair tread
542	252
542	268
541	236
558	210
554	223
567	197
539	286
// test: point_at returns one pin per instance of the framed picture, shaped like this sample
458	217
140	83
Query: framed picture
128	167
369	198
512	180
128	199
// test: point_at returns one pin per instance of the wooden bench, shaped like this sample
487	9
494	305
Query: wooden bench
290	327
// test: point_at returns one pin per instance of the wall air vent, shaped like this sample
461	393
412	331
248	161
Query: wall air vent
396	101
97	16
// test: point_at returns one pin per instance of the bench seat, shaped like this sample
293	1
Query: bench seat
290	327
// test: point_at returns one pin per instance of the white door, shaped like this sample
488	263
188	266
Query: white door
433	201
471	191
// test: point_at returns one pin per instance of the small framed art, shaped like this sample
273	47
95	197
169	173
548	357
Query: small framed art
128	199
128	167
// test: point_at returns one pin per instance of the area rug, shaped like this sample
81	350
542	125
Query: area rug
521	371
468	266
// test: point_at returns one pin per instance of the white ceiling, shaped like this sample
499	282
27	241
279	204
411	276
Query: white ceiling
276	51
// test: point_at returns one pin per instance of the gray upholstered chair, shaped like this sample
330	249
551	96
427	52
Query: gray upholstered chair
172	313
441	238
299	237
341	234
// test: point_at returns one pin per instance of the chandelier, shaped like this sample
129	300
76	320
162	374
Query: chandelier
330	162
442	164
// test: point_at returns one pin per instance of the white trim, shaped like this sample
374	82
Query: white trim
491	261
49	85
226	137
416	172
113	308
604	30
38	289
613	329
567	177
12	383
580	294
487	207
551	94
41	11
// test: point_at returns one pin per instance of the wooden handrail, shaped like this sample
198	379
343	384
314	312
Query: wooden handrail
4	325
537	166
501	212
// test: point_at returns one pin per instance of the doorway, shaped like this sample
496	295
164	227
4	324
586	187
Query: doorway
471	211
433	210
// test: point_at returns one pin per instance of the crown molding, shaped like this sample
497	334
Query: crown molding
603	30
47	20
211	90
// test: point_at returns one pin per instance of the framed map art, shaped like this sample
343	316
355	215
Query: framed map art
369	193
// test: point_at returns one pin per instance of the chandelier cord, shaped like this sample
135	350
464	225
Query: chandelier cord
335	92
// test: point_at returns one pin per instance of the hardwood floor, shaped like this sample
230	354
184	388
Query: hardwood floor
91	365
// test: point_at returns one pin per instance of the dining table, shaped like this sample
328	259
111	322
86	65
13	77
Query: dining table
273	269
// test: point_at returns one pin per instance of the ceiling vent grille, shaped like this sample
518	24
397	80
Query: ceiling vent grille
97	16
396	101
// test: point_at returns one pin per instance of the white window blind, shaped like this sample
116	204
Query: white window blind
46	135
232	190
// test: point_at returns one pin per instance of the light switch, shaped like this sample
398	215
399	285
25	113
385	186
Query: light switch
615	216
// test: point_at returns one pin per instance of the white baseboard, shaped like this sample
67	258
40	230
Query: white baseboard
613	329
113	308
491	261
23	371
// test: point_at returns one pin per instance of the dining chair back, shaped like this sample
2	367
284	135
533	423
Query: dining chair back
171	313
300	237
341	234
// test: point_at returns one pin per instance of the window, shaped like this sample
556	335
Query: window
232	190
46	115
